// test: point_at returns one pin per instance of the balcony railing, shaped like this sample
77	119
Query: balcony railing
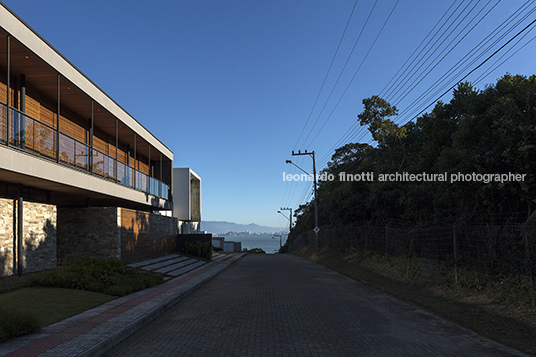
39	139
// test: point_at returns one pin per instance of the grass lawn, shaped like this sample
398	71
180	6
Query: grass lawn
39	299
51	305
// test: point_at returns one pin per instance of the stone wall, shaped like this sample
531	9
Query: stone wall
93	231
39	237
146	235
51	233
7	243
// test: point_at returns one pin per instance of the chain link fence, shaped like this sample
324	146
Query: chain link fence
495	249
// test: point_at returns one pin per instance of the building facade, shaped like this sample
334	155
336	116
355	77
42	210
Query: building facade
187	199
67	152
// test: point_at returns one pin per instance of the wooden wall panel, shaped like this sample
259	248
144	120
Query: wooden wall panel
100	145
47	108
121	155
3	92
143	167
13	93
39	107
73	129
33	107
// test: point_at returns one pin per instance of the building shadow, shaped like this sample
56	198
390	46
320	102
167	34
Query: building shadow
38	250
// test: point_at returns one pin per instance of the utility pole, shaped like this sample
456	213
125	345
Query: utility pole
290	225
280	243
312	154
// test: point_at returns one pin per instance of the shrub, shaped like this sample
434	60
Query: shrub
104	275
198	249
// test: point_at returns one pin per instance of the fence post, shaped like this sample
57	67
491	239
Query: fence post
528	264
366	234
387	230
455	254
410	252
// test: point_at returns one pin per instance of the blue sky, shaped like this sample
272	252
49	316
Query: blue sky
229	85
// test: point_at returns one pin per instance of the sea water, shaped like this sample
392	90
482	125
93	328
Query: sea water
268	243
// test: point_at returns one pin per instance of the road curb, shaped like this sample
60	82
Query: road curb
115	339
96	331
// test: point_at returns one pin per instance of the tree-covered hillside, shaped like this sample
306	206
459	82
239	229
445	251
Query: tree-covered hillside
486	132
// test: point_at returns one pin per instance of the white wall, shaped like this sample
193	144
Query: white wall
186	195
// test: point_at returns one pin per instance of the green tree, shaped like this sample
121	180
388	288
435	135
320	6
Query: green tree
489	131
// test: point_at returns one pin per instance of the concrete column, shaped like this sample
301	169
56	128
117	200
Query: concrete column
22	128
20	230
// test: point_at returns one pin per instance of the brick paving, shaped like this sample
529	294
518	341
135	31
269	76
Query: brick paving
95	331
282	305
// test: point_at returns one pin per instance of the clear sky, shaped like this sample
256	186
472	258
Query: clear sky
229	85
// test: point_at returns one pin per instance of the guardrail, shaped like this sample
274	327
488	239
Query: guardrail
26	133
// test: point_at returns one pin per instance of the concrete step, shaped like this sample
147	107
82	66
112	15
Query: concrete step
168	268
151	261
217	256
186	269
173	265
165	263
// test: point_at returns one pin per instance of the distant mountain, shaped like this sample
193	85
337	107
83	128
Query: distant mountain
217	227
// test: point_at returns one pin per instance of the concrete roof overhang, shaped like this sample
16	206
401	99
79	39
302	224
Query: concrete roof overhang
32	56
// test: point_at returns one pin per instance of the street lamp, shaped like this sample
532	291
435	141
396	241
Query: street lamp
312	154
290	225
278	235
290	162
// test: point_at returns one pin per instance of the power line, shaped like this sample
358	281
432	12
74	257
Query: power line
466	33
417	56
356	72
468	74
480	55
342	71
327	74
476	53
500	64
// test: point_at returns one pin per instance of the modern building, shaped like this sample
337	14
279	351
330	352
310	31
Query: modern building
187	199
78	174
217	242
232	246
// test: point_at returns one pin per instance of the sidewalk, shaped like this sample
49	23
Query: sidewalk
95	331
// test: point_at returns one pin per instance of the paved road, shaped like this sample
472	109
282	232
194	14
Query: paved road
282	305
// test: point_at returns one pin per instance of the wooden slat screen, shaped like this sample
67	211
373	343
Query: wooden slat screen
13	94
33	107
3	92
121	155
143	167
100	145
47	116
73	129
39	107
141	164
42	139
